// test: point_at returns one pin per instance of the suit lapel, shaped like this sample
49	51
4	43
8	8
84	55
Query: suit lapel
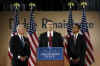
53	38
72	39
78	39
20	41
46	39
75	44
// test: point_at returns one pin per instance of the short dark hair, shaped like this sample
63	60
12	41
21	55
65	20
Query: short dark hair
49	21
77	25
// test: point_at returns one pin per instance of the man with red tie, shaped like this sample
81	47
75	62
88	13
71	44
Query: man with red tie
50	38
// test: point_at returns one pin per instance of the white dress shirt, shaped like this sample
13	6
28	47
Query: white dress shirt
20	36
76	35
48	35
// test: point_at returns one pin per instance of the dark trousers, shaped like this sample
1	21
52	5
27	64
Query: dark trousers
19	63
72	64
80	63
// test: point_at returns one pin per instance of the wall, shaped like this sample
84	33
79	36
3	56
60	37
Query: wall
58	16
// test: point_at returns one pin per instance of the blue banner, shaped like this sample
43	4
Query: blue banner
50	53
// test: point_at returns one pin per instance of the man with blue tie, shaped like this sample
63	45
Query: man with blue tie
19	47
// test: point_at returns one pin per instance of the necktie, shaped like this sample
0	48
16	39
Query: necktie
22	39
75	39
50	40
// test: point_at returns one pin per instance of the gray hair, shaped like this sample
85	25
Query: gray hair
19	26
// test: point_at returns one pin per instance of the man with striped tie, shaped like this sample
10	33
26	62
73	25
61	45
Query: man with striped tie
76	47
50	38
19	47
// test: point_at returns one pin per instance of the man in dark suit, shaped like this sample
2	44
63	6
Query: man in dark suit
50	38
76	47
19	47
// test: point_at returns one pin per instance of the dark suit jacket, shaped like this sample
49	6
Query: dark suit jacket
78	50
17	49
57	40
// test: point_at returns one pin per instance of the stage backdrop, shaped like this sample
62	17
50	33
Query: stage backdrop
60	20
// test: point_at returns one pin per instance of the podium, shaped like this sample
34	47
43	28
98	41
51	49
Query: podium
50	56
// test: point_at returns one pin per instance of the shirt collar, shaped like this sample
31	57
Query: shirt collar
76	35
48	33
20	35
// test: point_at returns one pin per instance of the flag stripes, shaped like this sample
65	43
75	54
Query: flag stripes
89	59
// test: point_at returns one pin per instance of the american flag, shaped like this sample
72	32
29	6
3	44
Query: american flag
16	22
70	22
84	29
69	31
14	31
33	39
